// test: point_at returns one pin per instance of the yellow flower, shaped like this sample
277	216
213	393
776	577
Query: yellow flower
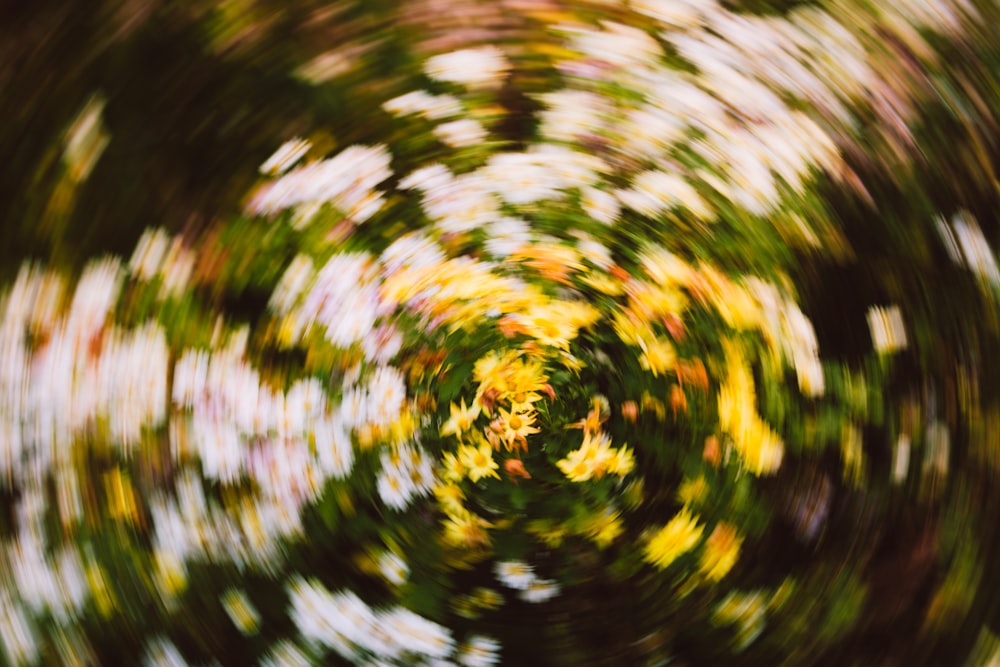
604	528
650	402
629	328
602	282
592	459
722	548
517	426
666	268
525	376
465	529
549	324
521	401
759	447
478	460
402	429
738	307
597	415
692	491
450	497
576	466
454	468
461	419
551	532
120	496
652	302
487	598
171	579
658	356
241	611
680	535
553	261
622	461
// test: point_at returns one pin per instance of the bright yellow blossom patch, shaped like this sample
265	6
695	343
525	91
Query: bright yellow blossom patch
604	528
478	460
461	419
759	447
466	530
680	535
722	548
596	458
658	357
450	497
517	426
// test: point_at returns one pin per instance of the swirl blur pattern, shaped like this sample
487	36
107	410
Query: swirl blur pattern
615	333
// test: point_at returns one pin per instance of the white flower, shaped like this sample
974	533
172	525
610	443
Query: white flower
616	44
382	344
341	621
507	235
540	590
220	448
600	205
414	250
386	393
593	250
427	178
483	67
479	651
17	633
149	253
522	178
461	133
461	204
649	131
304	403
395	488
288	154
343	299
416	635
572	168
284	653
334	451
161	652
887	329
393	568
347	181
654	192
676	14
353	410
515	574
572	115
292	284
967	245
95	296
432	107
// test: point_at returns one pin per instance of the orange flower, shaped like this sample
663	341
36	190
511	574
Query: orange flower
712	453
675	326
553	261
592	422
693	371
511	326
515	468
678	401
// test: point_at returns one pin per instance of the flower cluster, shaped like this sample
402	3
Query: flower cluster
540	363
